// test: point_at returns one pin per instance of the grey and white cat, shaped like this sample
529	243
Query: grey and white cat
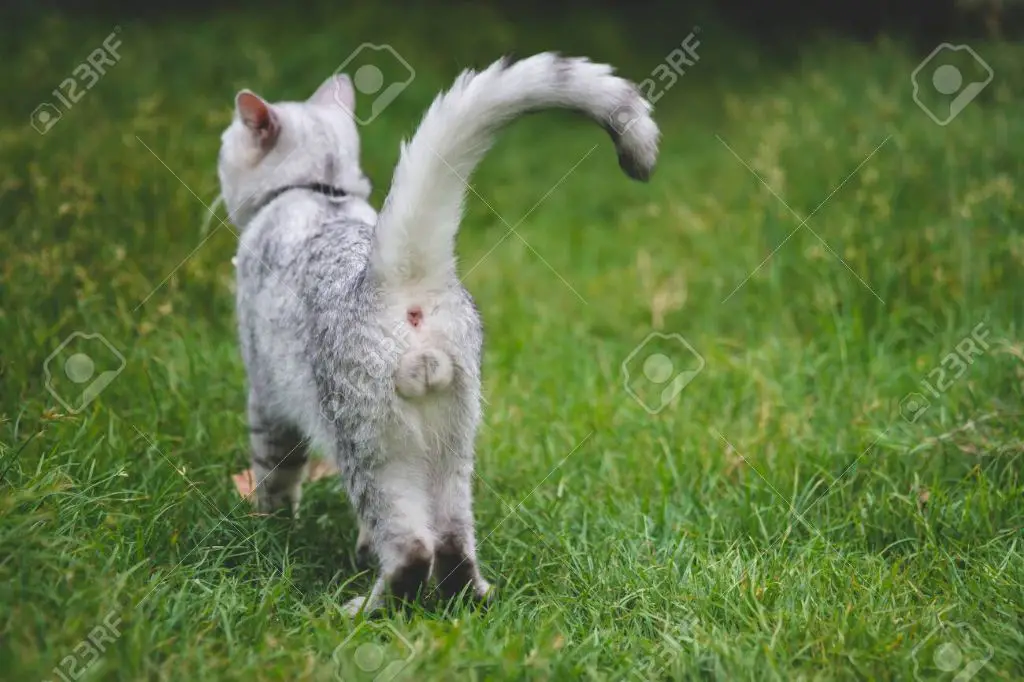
357	335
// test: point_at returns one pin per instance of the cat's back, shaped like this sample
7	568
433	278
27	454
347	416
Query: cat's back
305	243
299	268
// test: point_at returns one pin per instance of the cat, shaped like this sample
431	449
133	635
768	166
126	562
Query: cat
358	337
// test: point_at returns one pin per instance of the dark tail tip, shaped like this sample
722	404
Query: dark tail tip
630	161
634	167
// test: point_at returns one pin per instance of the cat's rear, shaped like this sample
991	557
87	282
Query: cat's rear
356	332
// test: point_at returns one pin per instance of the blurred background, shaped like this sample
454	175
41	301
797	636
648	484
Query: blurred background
927	20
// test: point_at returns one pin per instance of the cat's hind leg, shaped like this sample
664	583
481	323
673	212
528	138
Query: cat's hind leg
455	561
393	504
364	548
280	460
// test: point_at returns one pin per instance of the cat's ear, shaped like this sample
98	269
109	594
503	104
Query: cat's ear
336	91
258	116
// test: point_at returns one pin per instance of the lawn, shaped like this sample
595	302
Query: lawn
833	490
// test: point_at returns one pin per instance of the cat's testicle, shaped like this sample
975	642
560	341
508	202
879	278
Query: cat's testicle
358	337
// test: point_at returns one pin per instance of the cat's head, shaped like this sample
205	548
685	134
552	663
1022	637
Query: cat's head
272	145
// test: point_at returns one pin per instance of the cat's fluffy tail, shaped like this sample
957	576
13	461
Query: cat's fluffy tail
415	236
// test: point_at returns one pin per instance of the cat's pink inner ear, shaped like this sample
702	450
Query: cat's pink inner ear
257	115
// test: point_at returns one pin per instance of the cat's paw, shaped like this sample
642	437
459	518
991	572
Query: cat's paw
286	501
423	371
365	605
484	592
481	592
353	606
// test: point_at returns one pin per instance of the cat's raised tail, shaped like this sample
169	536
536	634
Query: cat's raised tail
415	235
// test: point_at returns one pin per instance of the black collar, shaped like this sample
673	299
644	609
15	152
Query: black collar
318	187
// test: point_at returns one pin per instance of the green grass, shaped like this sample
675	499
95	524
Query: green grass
778	520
